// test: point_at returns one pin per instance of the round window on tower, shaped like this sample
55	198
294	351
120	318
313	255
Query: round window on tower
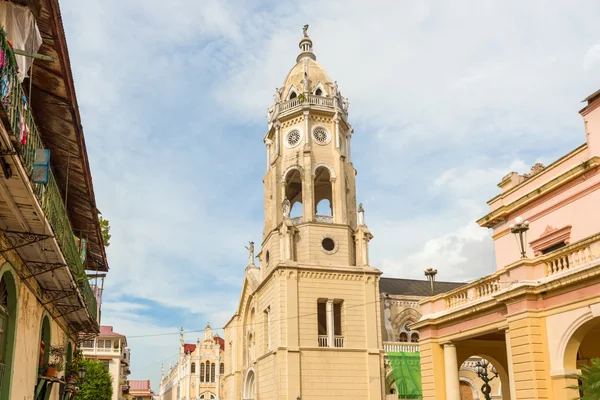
321	135
328	245
293	138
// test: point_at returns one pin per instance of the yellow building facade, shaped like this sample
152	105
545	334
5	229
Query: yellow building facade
308	321
537	318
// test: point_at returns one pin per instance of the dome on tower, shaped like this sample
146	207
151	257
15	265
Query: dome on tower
306	66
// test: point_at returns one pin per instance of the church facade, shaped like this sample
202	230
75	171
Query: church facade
308	321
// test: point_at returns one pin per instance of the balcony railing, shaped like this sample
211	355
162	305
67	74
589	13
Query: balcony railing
324	219
400	347
297	220
27	140
323	341
311	99
527	271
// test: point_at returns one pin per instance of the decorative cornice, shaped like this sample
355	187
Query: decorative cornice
550	237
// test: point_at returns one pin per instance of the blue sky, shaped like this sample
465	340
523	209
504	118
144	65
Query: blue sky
445	100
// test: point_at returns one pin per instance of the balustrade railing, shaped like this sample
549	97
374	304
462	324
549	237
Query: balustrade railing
338	341
311	99
27	141
325	219
482	288
323	341
400	347
297	220
569	257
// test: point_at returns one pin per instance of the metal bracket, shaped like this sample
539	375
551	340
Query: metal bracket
21	239
36	268
65	309
8	153
55	295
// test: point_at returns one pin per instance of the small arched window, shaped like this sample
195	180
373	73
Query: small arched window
222	369
207	371
293	95
201	372
414	338
403	337
319	92
193	368
212	372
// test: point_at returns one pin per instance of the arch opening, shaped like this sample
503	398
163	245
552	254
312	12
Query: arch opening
293	95
293	192
319	92
8	321
249	386
581	348
499	386
323	189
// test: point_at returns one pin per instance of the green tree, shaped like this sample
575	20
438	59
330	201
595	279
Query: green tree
97	384
590	380
105	227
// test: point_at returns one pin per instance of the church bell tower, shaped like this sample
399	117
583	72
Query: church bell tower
310	192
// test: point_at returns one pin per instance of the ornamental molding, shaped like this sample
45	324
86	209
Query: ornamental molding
330	276
550	237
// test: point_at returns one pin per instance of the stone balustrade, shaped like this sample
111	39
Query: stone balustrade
400	347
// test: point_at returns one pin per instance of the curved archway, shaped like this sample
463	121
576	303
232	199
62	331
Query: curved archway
293	191
468	383
323	191
580	348
8	326
249	385
45	340
499	386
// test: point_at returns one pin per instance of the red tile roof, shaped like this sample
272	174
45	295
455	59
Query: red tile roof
221	342
108	331
189	348
139	386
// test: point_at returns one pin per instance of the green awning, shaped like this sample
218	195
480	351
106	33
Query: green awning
407	374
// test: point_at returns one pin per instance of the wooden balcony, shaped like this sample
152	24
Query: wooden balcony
35	222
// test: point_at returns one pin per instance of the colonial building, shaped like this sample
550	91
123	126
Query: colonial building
199	371
111	348
537	318
308	320
49	229
400	310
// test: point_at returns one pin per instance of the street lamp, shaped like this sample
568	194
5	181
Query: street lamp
430	273
519	229
82	372
481	369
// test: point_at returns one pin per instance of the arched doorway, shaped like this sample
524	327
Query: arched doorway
468	377
45	342
8	321
249	386
581	348
466	391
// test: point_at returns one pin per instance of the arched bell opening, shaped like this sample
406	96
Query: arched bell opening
323	190
293	192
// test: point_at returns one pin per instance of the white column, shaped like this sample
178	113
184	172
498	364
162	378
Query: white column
330	323
511	373
337	134
277	139
268	142
451	370
218	376
349	155
306	132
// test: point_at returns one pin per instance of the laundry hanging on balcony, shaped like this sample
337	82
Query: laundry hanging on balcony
406	368
22	32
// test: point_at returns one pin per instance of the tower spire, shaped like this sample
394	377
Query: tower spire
305	46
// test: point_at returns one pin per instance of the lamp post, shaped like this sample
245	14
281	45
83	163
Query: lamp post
481	368
519	229
430	273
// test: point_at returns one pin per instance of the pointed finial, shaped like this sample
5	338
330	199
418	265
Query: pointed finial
181	336
305	46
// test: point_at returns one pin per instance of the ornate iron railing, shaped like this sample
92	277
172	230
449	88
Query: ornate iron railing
27	140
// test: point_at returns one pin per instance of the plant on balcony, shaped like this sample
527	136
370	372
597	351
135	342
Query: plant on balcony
72	370
97	384
105	227
589	381
56	361
301	98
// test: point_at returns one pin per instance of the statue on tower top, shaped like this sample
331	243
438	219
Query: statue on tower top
181	337
250	249
304	30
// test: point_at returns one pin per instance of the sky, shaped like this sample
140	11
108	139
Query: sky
445	99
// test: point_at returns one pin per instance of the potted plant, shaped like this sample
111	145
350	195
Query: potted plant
56	361
72	372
